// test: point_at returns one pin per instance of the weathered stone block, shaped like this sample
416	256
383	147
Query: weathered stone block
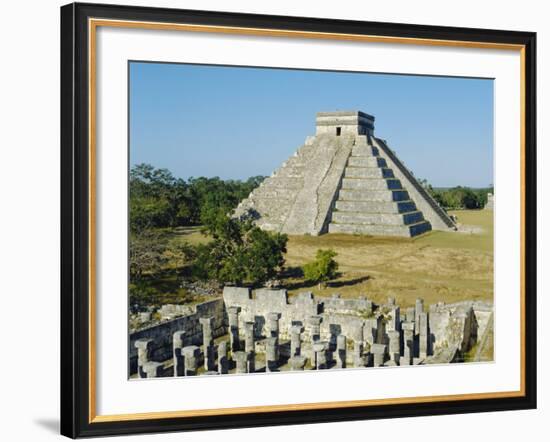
152	369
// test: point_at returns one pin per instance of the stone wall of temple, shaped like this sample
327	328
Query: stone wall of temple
162	334
343	315
269	323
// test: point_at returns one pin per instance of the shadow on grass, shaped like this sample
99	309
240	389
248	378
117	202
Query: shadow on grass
292	272
297	274
349	282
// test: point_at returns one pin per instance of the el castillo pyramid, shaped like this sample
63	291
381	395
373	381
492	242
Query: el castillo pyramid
344	180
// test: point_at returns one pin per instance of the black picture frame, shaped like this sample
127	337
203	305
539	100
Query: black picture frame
75	221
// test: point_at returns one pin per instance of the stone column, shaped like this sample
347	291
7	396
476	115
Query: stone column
395	345
191	355
249	337
208	342
251	362
152	369
408	343
320	349
295	341
358	357
423	335
341	351
358	332
380	330
297	363
223	362
370	330
379	352
273	324
314	323
241	361
144	347
410	314
394	321
177	344
271	354
233	316
418	308
391	300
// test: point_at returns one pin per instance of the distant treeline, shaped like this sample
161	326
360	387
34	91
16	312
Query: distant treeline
158	199
459	197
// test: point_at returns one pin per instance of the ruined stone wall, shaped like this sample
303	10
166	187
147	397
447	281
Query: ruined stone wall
459	325
267	301
162	333
263	321
339	316
453	328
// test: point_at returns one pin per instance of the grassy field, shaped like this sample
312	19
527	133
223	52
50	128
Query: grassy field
437	266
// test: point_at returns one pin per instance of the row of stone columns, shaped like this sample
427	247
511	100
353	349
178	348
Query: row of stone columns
186	357
413	329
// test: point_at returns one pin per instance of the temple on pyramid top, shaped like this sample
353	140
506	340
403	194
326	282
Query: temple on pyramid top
344	123
344	180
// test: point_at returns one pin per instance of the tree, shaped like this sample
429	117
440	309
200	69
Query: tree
323	269
239	252
148	212
147	254
158	199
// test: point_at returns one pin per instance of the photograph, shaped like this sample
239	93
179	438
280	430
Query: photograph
274	221
278	220
282	220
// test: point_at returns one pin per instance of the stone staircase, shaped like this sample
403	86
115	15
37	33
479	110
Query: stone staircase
372	201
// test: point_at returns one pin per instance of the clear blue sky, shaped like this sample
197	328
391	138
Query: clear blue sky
237	122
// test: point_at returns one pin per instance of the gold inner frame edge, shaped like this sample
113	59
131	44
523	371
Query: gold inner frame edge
93	24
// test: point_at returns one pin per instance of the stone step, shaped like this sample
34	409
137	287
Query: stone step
394	219
371	183
283	182
368	172
296	161
373	195
270	205
362	140
287	174
376	206
275	209
289	171
364	151
381	230
273	193
367	162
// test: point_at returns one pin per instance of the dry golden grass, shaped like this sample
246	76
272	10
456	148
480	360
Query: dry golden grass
437	266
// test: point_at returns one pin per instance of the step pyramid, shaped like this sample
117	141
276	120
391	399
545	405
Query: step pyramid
344	180
372	201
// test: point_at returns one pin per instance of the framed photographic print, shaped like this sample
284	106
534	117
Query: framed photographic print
274	220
